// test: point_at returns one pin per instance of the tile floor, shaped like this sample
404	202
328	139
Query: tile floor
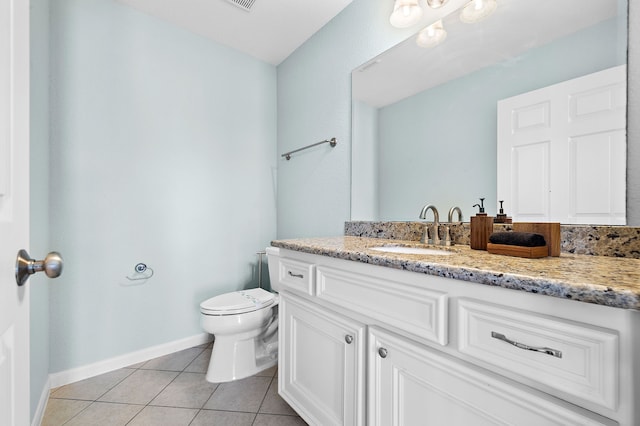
170	391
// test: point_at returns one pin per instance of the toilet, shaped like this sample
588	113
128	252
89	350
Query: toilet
245	327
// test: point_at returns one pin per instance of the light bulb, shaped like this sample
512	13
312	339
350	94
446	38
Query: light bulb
477	10
405	13
431	36
436	4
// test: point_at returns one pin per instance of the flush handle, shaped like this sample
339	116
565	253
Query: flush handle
25	266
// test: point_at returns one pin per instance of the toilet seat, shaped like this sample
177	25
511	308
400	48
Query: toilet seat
237	302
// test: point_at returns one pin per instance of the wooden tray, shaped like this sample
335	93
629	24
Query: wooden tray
518	251
550	231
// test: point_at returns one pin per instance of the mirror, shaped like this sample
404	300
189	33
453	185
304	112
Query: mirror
424	119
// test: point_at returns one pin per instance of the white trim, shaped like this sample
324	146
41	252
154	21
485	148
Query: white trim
42	404
80	373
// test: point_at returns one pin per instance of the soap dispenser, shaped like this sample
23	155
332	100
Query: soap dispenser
481	228
502	217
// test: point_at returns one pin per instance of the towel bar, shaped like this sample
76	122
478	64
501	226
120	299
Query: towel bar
331	142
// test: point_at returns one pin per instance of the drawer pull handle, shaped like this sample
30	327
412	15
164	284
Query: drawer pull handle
548	351
348	338
382	352
295	275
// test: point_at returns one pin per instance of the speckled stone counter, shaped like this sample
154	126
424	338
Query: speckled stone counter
601	280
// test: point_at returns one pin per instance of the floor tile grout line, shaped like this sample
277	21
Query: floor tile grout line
194	359
195	417
77	414
102	402
263	398
233	411
168	384
91	402
109	390
52	395
197	411
143	406
161	390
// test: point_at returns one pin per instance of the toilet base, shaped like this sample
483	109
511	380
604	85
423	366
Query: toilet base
234	359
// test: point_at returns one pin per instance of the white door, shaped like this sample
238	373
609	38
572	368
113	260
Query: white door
562	151
14	210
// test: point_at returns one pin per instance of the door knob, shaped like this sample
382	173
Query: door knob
25	266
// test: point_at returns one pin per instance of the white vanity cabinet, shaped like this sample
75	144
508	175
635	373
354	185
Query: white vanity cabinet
368	345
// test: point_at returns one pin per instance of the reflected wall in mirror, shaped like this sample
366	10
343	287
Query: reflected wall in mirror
425	120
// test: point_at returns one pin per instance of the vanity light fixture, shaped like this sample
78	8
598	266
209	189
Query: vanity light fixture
405	13
477	10
431	36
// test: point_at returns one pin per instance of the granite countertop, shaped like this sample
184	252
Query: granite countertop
600	280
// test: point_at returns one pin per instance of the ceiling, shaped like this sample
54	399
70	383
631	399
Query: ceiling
270	30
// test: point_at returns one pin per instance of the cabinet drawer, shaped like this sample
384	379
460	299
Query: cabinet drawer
409	308
296	275
412	384
568	359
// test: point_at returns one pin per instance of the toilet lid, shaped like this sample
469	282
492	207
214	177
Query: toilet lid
237	302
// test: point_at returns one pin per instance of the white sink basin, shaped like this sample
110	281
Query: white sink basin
411	250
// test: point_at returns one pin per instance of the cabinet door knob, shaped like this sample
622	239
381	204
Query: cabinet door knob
382	352
348	338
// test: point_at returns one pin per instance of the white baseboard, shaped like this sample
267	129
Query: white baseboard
80	373
42	404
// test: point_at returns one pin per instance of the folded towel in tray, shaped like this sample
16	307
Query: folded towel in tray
524	239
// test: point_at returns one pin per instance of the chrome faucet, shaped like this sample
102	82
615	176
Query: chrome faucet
435	239
454	209
447	230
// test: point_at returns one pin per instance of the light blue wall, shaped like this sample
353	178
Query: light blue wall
439	146
314	103
39	191
313	98
364	171
163	146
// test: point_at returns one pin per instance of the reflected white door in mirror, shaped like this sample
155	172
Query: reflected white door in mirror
562	151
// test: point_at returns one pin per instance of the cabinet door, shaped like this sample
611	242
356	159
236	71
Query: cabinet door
321	364
410	384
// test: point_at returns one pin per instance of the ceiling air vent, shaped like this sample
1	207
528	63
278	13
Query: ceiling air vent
243	4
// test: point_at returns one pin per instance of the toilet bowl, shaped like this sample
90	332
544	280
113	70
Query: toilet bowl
245	327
